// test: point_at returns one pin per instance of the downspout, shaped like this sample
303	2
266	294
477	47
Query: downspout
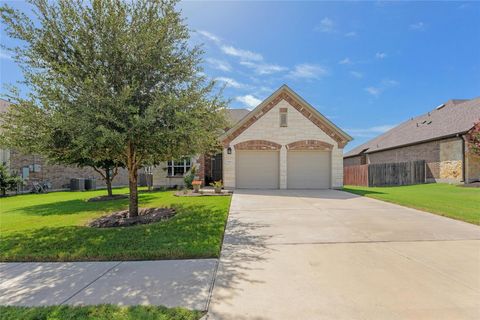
463	160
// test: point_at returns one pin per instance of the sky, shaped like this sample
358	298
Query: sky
367	66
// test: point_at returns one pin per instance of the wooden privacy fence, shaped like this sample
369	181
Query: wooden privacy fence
356	175
385	174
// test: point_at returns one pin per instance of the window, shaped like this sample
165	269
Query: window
283	117
178	168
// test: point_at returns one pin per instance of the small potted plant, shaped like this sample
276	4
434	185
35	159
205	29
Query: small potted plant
217	185
196	184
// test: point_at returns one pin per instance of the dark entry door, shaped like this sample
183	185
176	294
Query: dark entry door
217	167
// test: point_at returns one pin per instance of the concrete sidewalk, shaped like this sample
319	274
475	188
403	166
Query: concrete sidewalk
172	283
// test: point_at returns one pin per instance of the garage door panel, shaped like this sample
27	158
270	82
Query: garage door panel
308	169
257	169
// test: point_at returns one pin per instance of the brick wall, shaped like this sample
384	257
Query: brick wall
59	176
353	161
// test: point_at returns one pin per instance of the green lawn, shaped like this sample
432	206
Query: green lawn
51	227
101	312
443	199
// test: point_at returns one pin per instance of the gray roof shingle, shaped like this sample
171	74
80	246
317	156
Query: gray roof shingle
235	115
451	118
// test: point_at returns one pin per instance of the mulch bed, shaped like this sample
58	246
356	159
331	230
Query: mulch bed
145	216
198	194
107	198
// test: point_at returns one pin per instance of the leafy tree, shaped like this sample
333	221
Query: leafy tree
473	138
28	128
121	74
8	182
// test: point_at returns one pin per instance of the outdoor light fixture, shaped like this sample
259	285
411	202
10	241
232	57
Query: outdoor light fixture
229	150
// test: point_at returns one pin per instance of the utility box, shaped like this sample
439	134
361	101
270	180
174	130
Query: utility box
77	184
90	184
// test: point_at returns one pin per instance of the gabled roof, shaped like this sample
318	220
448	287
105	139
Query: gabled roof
235	115
449	119
287	94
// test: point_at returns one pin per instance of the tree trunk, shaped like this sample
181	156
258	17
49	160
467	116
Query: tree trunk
132	184
108	182
132	167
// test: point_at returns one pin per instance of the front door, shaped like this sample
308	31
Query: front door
217	167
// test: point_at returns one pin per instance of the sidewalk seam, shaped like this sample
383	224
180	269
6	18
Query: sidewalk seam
90	283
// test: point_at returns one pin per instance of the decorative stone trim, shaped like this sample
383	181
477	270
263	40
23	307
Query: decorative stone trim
257	145
310	145
298	105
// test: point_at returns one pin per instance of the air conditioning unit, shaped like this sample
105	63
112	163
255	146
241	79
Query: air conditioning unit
77	184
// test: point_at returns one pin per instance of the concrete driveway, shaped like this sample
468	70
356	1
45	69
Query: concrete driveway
333	255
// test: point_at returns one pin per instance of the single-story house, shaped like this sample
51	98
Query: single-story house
438	137
33	168
284	143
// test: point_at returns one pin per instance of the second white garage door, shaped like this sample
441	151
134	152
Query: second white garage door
257	169
308	170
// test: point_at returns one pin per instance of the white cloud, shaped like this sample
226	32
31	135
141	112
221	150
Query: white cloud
249	100
389	82
230	82
219	64
345	61
384	84
326	25
380	55
240	53
4	55
371	131
263	68
418	26
374	91
356	74
210	36
308	71
230	50
350	34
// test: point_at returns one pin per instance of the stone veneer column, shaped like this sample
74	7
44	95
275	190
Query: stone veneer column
337	168
283	167
229	169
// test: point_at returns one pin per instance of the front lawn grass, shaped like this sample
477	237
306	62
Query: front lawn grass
51	227
444	199
100	312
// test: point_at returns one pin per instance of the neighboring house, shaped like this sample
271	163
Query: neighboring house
33	168
284	143
437	137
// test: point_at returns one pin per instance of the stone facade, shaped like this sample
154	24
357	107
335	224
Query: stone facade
59	176
300	128
162	179
472	166
444	158
294	104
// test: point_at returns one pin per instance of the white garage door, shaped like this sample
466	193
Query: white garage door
257	169
308	169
